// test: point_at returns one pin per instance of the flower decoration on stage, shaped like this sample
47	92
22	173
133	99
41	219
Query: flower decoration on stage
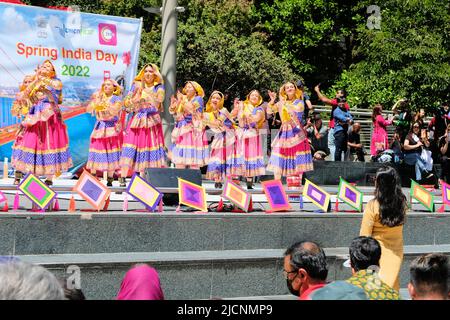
37	191
422	195
236	195
318	196
350	195
276	196
144	192
92	190
192	195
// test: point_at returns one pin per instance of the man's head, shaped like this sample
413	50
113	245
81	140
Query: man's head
364	252
445	106
24	281
356	127
429	277
317	120
305	264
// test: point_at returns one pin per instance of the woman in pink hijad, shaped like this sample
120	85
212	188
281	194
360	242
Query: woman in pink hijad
379	136
141	282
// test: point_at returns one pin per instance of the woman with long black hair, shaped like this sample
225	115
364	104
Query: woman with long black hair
383	220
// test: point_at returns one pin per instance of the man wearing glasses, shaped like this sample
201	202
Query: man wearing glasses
305	268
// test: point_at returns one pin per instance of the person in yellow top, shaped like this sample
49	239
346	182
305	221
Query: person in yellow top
383	220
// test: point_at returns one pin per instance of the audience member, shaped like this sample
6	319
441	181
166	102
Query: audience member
141	282
383	220
402	118
413	147
308	105
365	254
334	104
23	281
419	117
379	141
429	277
305	268
396	146
445	155
342	119
318	136
356	148
339	290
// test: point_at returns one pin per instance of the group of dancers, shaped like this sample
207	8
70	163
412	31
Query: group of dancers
42	148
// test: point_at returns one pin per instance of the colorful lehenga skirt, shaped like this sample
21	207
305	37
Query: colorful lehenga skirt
43	146
190	144
252	151
291	153
105	147
226	159
143	145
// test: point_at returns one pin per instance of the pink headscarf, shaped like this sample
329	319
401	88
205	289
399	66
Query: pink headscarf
141	283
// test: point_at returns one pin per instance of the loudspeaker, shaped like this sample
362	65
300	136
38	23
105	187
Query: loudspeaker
168	178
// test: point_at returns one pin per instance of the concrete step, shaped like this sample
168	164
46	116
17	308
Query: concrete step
203	274
78	233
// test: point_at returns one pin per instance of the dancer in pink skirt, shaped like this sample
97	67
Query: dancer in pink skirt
143	145
291	153
43	149
226	159
107	136
190	145
251	116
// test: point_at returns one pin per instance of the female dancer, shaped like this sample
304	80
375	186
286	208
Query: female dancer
107	137
291	153
143	145
190	145
251	115
44	147
20	109
225	159
379	137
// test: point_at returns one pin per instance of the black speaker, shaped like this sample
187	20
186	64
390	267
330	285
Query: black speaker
168	178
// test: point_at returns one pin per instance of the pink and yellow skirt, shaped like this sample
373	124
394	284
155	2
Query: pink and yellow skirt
252	150
43	146
143	145
291	153
105	147
226	159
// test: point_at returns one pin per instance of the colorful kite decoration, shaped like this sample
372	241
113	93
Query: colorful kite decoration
422	195
318	196
276	196
236	195
2	197
445	187
350	195
144	192
192	195
92	190
37	191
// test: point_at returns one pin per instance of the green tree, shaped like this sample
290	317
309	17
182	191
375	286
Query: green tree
407	57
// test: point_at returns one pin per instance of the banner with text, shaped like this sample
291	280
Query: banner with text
85	49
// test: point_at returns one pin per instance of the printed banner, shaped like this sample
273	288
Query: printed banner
236	195
276	196
317	195
144	192
92	190
350	195
422	195
85	49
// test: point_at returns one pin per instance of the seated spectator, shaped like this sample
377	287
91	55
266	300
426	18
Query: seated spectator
413	146
141	282
318	137
339	290
445	155
429	278
355	147
23	281
305	268
419	117
365	254
436	129
396	146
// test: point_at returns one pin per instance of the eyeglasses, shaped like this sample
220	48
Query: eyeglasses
286	273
